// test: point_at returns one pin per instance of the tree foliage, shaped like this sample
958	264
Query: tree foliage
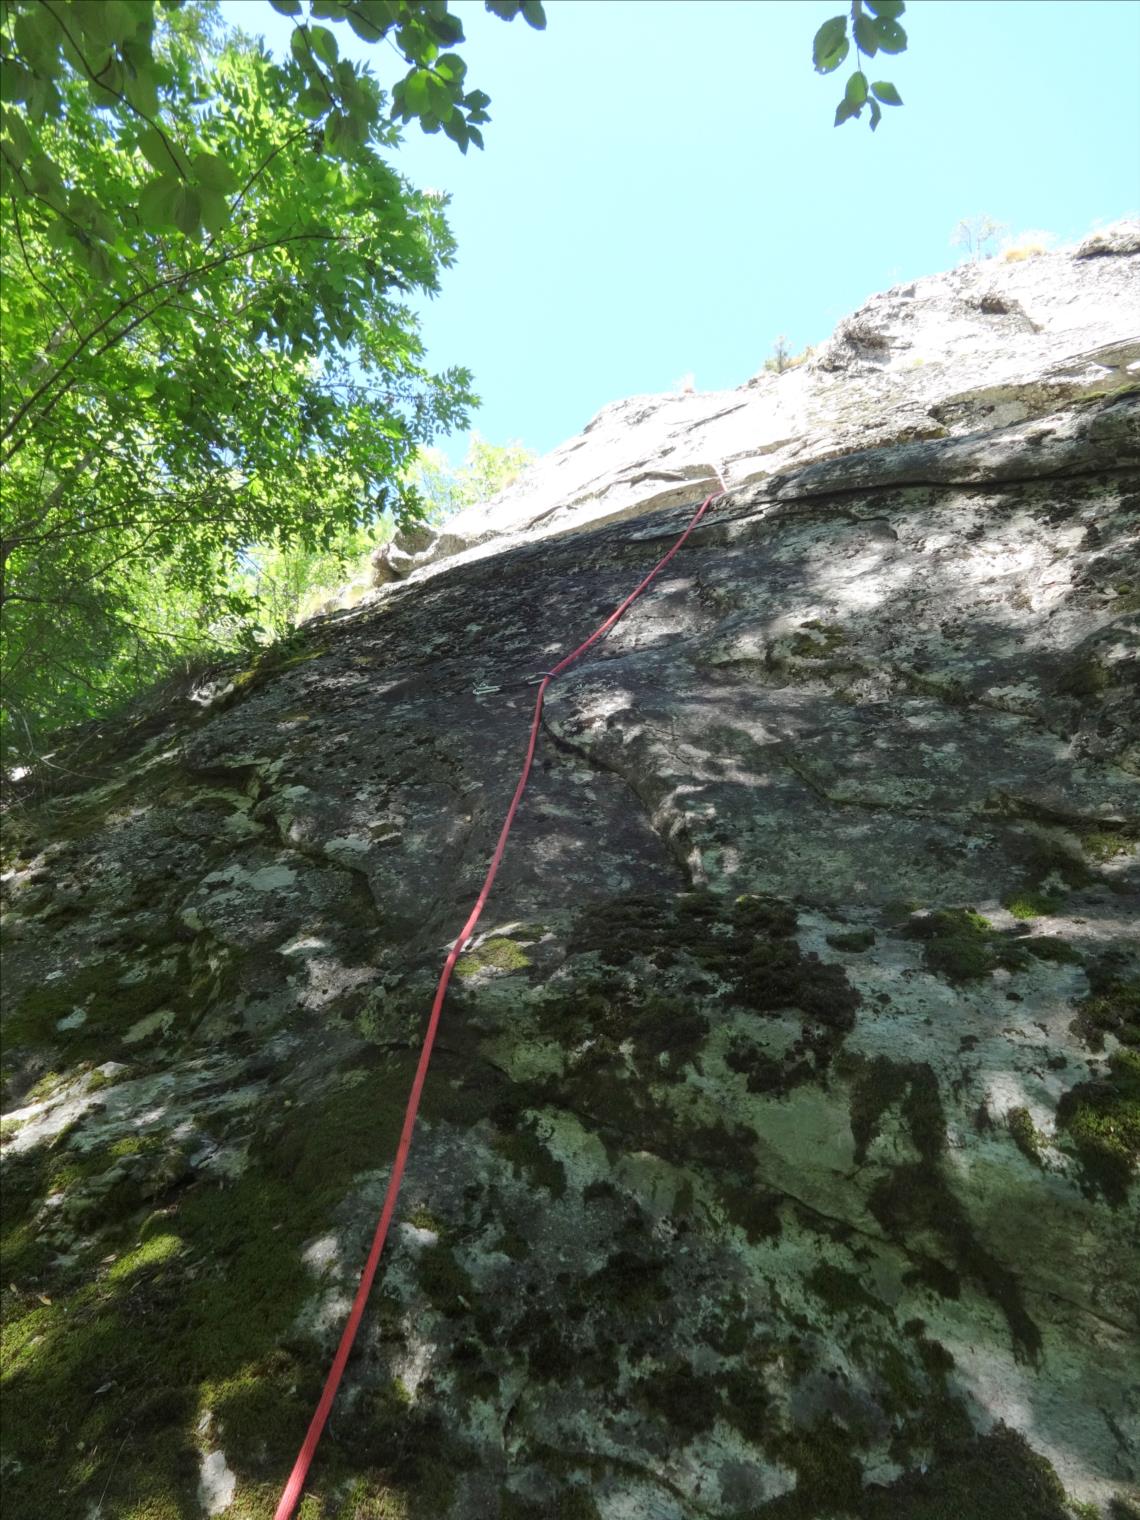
206	334
289	582
113	50
875	28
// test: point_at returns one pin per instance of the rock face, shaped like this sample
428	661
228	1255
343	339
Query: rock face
991	343
777	1159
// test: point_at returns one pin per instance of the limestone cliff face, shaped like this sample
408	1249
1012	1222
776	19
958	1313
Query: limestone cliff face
778	1156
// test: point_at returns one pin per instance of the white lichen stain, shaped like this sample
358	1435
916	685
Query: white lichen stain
216	1483
322	1255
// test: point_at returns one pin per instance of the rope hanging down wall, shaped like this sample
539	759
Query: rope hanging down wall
292	1491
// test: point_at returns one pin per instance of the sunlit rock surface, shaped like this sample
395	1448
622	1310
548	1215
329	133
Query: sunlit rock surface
992	342
778	1157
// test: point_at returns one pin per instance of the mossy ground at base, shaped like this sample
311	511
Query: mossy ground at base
102	1360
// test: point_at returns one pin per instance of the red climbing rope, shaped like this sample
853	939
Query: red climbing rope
292	1491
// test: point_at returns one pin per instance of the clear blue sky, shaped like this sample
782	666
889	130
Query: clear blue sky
663	190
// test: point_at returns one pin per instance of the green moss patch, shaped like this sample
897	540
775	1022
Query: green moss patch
816	640
530	1158
1102	1119
685	1401
446	1283
915	1206
1051	869
1112	1007
993	1477
98	1004
854	942
1103	846
962	946
493	955
1083	678
1023	1133
740	951
913	1203
829	1476
1048	947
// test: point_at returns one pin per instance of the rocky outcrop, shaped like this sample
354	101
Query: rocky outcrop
778	1157
993	342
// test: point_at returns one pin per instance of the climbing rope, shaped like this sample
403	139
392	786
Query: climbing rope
293	1487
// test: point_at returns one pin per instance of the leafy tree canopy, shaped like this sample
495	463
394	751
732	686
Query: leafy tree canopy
206	336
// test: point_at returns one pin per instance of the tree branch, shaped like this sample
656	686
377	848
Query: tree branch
185	278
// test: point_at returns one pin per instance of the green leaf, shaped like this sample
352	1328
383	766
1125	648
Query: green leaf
104	22
313	104
156	202
20	144
15	82
534	15
447	29
215	210
506	10
37	39
187	210
890	10
43	179
451	66
892	38
442	97
865	37
153	149
59	234
416	97
142	92
287	7
213	172
366	30
856	91
876	114
94	258
830	47
323	44
845	111
886	92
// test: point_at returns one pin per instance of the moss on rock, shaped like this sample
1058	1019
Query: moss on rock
1102	1119
499	954
1112	1006
1023	1133
962	946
